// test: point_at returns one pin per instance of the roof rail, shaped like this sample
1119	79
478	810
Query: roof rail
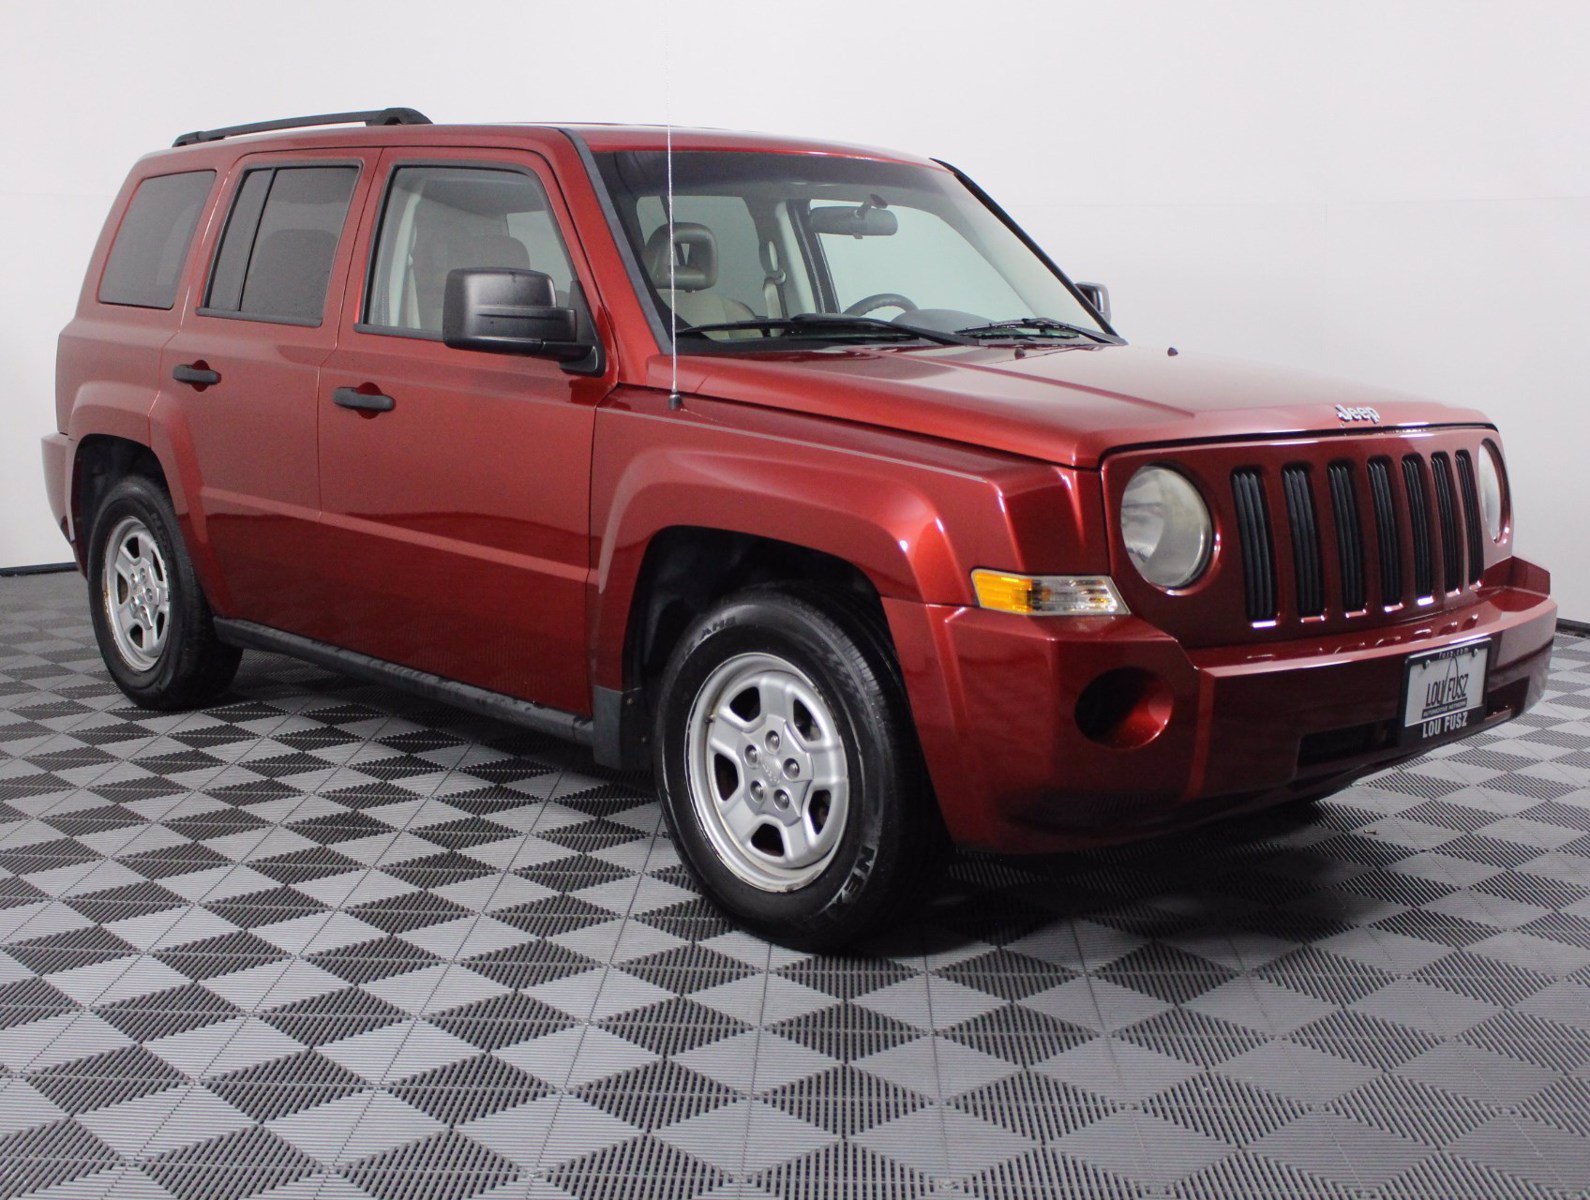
374	116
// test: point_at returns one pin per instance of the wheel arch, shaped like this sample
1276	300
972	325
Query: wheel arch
687	569
685	518
99	460
683	571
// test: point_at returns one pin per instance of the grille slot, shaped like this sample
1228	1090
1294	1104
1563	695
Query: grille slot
1446	509
1419	519
1253	530
1387	535
1471	515
1305	541
1349	538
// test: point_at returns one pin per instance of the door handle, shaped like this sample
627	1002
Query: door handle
347	397
196	373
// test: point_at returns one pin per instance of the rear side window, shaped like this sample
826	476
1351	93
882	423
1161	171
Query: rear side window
274	262
146	258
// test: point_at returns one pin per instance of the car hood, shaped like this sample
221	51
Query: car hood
1069	405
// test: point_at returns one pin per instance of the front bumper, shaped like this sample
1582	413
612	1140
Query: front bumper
996	702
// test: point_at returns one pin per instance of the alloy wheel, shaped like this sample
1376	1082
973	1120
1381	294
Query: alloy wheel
137	593
767	771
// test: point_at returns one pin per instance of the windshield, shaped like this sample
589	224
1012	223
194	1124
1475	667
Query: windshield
763	242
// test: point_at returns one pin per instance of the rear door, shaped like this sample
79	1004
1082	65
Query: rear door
244	368
457	521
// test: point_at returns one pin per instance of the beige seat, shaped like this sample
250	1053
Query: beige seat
695	272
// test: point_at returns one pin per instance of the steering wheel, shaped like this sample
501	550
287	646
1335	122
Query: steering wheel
880	300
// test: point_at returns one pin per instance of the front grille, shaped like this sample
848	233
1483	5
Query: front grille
1431	501
1349	540
1419	519
1471	515
1451	534
1253	531
1387	534
1305	541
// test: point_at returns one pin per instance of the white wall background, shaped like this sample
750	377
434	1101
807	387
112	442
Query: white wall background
1388	190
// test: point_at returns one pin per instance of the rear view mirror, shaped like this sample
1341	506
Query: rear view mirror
508	311
1097	295
865	220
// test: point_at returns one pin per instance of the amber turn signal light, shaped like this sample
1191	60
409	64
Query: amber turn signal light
1048	595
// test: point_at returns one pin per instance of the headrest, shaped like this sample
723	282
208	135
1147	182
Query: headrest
695	257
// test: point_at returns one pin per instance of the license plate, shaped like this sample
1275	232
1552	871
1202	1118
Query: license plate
1443	691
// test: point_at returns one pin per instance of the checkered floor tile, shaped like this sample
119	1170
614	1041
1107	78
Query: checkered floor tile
327	941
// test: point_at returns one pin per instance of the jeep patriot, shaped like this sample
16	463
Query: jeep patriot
794	471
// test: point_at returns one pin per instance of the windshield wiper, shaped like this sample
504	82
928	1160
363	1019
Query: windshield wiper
1033	327
836	323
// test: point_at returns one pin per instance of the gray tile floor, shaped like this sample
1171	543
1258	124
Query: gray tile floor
323	940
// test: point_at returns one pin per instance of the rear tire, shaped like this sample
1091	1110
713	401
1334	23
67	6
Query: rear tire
152	622
789	768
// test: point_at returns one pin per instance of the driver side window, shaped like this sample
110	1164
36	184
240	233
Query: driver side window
439	218
927	260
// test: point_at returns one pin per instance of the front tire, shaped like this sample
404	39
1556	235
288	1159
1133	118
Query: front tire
153	624
789	769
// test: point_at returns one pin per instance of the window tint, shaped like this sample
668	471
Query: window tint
152	244
237	243
275	257
438	219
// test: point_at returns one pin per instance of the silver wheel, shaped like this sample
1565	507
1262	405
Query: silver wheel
137	593
767	772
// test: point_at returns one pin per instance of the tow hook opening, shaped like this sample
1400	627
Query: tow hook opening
1125	708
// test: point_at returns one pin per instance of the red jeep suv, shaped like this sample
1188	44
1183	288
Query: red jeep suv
794	470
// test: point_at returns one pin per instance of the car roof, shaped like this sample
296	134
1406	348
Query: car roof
656	137
599	137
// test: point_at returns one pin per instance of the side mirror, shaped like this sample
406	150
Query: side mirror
1097	295
509	311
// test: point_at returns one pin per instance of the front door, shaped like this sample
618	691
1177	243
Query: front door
244	369
456	517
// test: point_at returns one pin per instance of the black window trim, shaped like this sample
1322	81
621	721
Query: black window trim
274	165
374	245
988	202
193	239
638	279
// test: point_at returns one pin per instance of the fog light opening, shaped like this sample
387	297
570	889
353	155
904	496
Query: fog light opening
1124	709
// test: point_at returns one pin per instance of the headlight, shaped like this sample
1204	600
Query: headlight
1491	489
1165	525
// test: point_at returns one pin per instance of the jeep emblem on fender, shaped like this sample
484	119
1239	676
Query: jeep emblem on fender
1358	414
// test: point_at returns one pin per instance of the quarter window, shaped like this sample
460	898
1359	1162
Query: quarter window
438	219
274	263
145	262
